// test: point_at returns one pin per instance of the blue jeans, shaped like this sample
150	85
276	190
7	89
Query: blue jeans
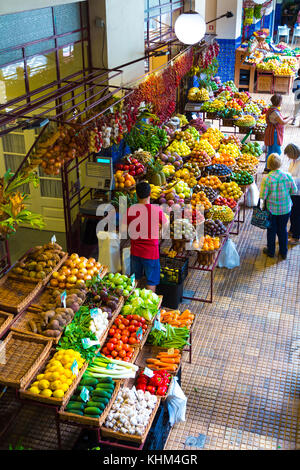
275	148
278	227
149	267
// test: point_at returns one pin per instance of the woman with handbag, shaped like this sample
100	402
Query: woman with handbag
275	128
276	190
293	153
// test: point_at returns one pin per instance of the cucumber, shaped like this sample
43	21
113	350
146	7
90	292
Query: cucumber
76	412
96	404
75	405
92	410
89	387
100	399
101	393
104	380
105	387
89	381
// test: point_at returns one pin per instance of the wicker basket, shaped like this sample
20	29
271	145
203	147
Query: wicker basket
16	295
24	392
260	136
205	258
105	432
227	122
5	320
212	115
20	325
47	278
23	356
87	420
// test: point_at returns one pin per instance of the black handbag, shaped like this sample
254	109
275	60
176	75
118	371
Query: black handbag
260	217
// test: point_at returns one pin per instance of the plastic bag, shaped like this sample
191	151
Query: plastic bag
229	257
252	195
176	402
126	261
109	250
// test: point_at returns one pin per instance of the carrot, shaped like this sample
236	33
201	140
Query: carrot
170	356
170	368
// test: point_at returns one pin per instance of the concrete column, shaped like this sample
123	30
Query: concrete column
123	36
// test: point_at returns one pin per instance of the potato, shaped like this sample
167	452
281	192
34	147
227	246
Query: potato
53	325
50	333
32	325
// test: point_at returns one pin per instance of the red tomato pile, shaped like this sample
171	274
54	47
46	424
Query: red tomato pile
223	201
123	336
132	166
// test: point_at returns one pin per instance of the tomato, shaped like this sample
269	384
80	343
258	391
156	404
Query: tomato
118	358
126	359
126	322
118	348
114	353
112	331
130	349
139	324
125	332
122	353
129	354
113	340
124	339
136	317
110	346
131	340
129	317
117	336
118	331
120	343
121	326
105	350
126	347
142	320
109	356
134	322
131	328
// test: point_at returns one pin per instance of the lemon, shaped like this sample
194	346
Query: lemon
34	390
35	384
40	377
46	392
43	384
55	376
48	376
64	387
56	385
69	381
68	373
58	393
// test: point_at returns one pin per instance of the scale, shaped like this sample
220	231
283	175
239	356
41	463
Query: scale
99	174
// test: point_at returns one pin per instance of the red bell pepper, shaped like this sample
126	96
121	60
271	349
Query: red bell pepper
151	389
156	380
162	390
141	387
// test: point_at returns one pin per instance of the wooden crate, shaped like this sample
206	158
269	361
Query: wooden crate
282	83
265	82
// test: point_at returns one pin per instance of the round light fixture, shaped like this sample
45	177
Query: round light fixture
190	27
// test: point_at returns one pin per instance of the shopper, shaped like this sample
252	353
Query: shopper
144	221
275	128
276	190
293	153
296	91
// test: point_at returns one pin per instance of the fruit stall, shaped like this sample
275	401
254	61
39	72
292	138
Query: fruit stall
90	345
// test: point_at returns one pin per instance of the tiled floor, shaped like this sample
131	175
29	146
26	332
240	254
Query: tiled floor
243	386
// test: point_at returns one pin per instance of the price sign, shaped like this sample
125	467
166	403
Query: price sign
85	394
158	326
74	367
88	343
171	351
111	366
139	333
158	315
63	297
132	277
53	239
94	312
148	372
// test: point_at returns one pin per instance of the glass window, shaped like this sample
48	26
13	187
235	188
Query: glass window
67	18
12	83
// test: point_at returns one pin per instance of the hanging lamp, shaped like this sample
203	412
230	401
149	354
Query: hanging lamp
190	27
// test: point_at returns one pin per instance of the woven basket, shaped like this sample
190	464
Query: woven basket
16	294
212	115
227	122
260	136
23	356
21	325
150	351
24	392
5	320
105	432
205	258
87	420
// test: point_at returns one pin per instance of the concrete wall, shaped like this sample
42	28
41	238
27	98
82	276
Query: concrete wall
210	14
14	6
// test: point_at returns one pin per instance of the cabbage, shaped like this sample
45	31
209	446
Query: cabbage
127	309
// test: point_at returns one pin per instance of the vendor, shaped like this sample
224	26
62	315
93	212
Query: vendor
144	221
275	127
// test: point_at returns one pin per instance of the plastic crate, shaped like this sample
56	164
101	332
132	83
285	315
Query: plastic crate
173	277
172	294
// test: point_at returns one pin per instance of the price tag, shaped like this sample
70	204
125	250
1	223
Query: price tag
139	333
171	351
88	343
74	367
132	277
111	366
53	239
158	315
85	394
148	372
158	326
94	312
63	297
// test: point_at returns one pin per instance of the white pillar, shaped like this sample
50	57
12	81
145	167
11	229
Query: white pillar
229	28
124	35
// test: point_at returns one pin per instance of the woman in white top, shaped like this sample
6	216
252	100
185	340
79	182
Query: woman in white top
293	153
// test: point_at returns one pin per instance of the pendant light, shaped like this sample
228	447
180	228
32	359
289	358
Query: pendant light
190	27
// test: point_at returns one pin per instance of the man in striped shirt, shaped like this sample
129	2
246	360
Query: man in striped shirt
276	190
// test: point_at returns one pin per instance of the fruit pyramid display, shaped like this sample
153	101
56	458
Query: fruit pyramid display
75	272
186	137
201	200
214	228
200	157
179	147
246	121
229	149
212	181
224	159
193	168
192	130
253	148
210	193
123	180
223	213
218	169
242	178
213	136
57	376
232	139
223	201
231	190
204	145
248	158
207	243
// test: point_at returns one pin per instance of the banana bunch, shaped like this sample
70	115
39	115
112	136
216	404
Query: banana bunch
155	191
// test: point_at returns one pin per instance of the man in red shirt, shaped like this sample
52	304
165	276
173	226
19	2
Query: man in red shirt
143	221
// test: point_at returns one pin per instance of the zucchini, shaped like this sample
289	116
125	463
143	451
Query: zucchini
75	405
92	410
101	393
105	387
76	412
96	404
100	399
89	381
104	380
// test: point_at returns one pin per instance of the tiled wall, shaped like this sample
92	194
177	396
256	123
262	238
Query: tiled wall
226	58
